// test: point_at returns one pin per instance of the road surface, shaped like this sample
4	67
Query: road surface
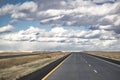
80	66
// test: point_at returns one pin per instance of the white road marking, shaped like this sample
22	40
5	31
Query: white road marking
89	65
106	61
95	71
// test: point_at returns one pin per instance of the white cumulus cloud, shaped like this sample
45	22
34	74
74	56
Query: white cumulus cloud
7	28
102	15
58	36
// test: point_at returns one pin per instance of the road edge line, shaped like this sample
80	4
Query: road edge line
44	78
106	61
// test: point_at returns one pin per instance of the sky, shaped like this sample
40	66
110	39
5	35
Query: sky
60	25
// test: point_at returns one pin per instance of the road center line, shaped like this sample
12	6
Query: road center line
89	65
44	78
95	71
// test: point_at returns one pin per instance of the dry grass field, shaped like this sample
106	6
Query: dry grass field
10	53
13	68
2	53
111	55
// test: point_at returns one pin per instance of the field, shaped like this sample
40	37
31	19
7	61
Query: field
111	55
13	68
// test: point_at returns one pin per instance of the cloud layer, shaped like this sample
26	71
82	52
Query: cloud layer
68	13
101	16
58	36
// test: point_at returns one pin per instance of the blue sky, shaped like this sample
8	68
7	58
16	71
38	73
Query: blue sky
20	24
4	2
23	24
59	24
4	20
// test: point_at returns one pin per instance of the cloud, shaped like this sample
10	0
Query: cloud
5	29
67	13
104	1
104	19
59	38
6	9
61	35
20	11
85	14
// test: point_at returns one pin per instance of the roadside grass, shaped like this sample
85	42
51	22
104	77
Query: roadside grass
110	55
8	53
6	63
14	68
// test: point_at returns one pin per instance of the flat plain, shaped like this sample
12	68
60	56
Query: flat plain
115	55
16	67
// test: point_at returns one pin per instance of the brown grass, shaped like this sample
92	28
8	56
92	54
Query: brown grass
111	55
8	53
6	63
14	68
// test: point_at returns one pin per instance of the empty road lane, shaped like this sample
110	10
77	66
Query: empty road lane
80	66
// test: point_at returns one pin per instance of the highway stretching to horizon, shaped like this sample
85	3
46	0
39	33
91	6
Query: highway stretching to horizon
80	66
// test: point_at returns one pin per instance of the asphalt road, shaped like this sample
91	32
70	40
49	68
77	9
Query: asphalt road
40	73
80	66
